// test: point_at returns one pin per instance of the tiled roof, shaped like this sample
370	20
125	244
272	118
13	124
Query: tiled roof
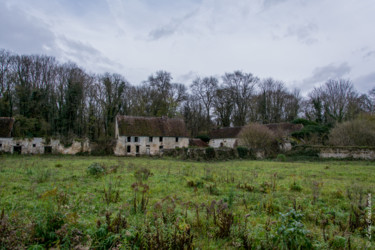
151	126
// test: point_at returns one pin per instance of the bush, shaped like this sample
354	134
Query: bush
242	152
204	138
210	153
96	169
291	233
258	136
281	157
359	132
104	146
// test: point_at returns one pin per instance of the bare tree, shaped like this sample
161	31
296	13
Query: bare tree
223	106
242	88
204	89
336	100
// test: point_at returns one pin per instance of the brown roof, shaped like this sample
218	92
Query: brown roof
228	132
285	128
151	126
6	126
197	143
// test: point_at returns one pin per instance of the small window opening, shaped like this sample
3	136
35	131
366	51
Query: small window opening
136	139
128	149
150	139
129	139
34	145
176	139
160	147
1	145
161	138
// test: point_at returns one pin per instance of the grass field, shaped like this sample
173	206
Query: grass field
60	201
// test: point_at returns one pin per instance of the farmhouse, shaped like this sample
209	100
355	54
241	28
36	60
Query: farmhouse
224	137
228	137
138	135
34	145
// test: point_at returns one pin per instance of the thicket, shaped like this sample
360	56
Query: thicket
358	132
259	137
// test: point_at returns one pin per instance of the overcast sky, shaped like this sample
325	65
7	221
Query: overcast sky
301	42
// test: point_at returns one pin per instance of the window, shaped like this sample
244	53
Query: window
136	139
160	147
137	149
34	145
161	138
1	145
129	139
128	149
176	139
150	139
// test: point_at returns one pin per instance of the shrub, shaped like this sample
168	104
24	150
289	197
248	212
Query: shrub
204	138
359	132
295	187
258	136
96	169
291	233
281	157
210	153
242	152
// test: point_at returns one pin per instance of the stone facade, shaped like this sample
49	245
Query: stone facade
41	146
137	135
146	145
223	142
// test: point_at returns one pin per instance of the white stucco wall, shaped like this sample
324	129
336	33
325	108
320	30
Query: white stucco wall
223	142
146	147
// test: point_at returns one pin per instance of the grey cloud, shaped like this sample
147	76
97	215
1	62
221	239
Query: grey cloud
327	72
270	3
170	28
304	33
187	78
365	83
23	33
369	54
84	54
165	31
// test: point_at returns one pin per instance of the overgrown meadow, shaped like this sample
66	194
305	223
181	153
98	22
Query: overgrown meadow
147	203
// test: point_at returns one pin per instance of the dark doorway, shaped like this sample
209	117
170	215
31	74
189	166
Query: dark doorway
137	150
48	150
17	149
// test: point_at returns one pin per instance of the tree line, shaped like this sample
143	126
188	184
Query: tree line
49	98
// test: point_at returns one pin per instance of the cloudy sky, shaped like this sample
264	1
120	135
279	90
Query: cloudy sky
301	42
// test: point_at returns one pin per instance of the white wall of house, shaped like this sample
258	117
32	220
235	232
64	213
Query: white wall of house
223	142
145	145
38	146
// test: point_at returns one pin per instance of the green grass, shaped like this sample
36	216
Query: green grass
256	193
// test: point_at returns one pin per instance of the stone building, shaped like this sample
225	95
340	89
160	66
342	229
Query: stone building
224	137
138	135
228	137
35	145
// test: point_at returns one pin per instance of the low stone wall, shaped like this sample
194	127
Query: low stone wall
361	153
206	154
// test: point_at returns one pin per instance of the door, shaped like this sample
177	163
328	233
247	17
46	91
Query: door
17	149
